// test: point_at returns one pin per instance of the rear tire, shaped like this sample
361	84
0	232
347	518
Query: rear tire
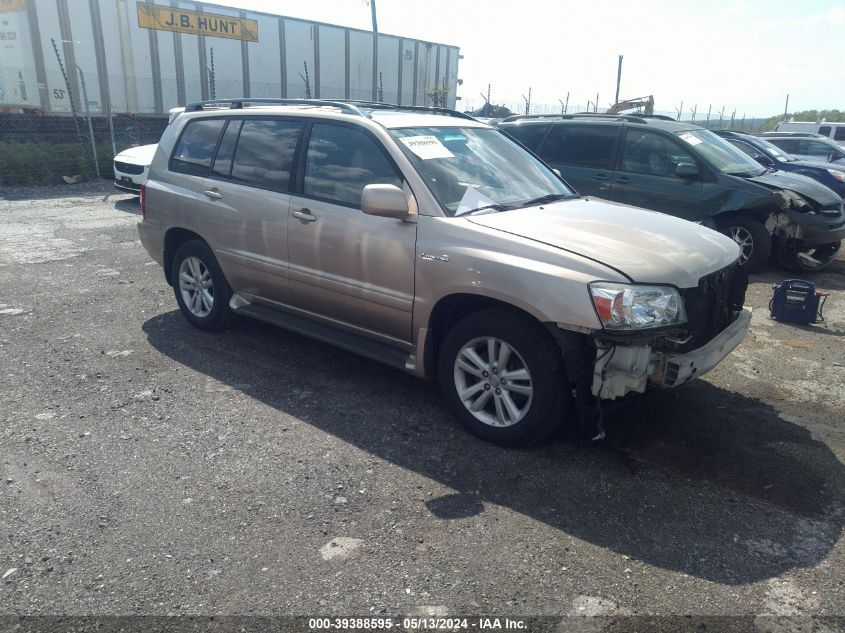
201	290
753	239
518	398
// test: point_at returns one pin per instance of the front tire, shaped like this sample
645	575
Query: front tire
825	255
754	242
503	378
201	290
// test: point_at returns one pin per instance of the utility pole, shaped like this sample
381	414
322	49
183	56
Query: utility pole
618	79
375	48
786	107
596	105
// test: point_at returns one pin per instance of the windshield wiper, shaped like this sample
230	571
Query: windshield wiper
489	208
551	197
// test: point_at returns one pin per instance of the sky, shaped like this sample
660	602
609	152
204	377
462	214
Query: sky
743	55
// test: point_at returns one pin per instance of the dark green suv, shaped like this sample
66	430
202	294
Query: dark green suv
687	171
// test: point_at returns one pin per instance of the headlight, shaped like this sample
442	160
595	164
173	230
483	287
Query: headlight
837	173
628	307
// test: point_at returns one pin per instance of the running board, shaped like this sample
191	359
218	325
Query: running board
373	350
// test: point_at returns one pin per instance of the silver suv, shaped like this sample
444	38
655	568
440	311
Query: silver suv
424	239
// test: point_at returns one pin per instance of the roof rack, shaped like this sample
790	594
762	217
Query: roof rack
378	105
659	117
786	134
346	106
638	118
238	104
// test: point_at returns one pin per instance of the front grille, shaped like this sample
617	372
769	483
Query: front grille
711	306
128	168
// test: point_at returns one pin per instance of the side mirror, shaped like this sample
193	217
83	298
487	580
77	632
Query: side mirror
686	170
387	201
832	157
764	160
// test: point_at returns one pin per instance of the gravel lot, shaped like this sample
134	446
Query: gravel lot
150	468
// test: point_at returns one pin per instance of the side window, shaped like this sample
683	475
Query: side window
789	146
529	134
341	161
196	147
223	161
814	148
745	148
653	154
580	145
264	153
839	134
824	130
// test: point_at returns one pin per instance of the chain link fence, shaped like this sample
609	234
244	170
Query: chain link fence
70	128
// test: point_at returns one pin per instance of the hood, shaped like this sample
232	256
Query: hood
143	154
646	246
803	185
815	164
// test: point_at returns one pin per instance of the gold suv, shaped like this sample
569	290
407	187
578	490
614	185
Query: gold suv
424	239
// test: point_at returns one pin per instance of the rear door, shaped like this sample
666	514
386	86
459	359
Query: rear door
247	196
584	154
646	176
345	265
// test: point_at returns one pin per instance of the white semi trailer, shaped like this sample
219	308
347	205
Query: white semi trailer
147	57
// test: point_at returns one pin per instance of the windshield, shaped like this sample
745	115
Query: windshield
774	151
478	169
721	155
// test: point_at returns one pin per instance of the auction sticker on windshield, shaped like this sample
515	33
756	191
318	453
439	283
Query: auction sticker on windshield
691	138
426	147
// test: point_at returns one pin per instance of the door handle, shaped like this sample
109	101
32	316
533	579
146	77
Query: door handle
623	179
601	177
304	214
213	194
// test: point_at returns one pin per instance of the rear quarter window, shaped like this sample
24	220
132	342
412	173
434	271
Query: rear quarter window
196	147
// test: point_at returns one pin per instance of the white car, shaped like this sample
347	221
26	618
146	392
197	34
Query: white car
132	166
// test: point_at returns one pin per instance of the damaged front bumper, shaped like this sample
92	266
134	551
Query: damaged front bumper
620	370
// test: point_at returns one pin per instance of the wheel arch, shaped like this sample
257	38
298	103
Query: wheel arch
173	239
453	307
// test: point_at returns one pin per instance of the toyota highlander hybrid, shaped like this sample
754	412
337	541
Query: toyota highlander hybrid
434	243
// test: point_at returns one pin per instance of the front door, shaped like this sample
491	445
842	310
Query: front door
646	176
353	268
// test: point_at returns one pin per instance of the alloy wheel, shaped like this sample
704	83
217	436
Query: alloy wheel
493	382
746	242
196	286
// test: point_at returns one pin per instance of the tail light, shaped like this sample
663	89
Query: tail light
143	202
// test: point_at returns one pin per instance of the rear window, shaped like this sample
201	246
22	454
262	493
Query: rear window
196	147
580	145
528	134
839	134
